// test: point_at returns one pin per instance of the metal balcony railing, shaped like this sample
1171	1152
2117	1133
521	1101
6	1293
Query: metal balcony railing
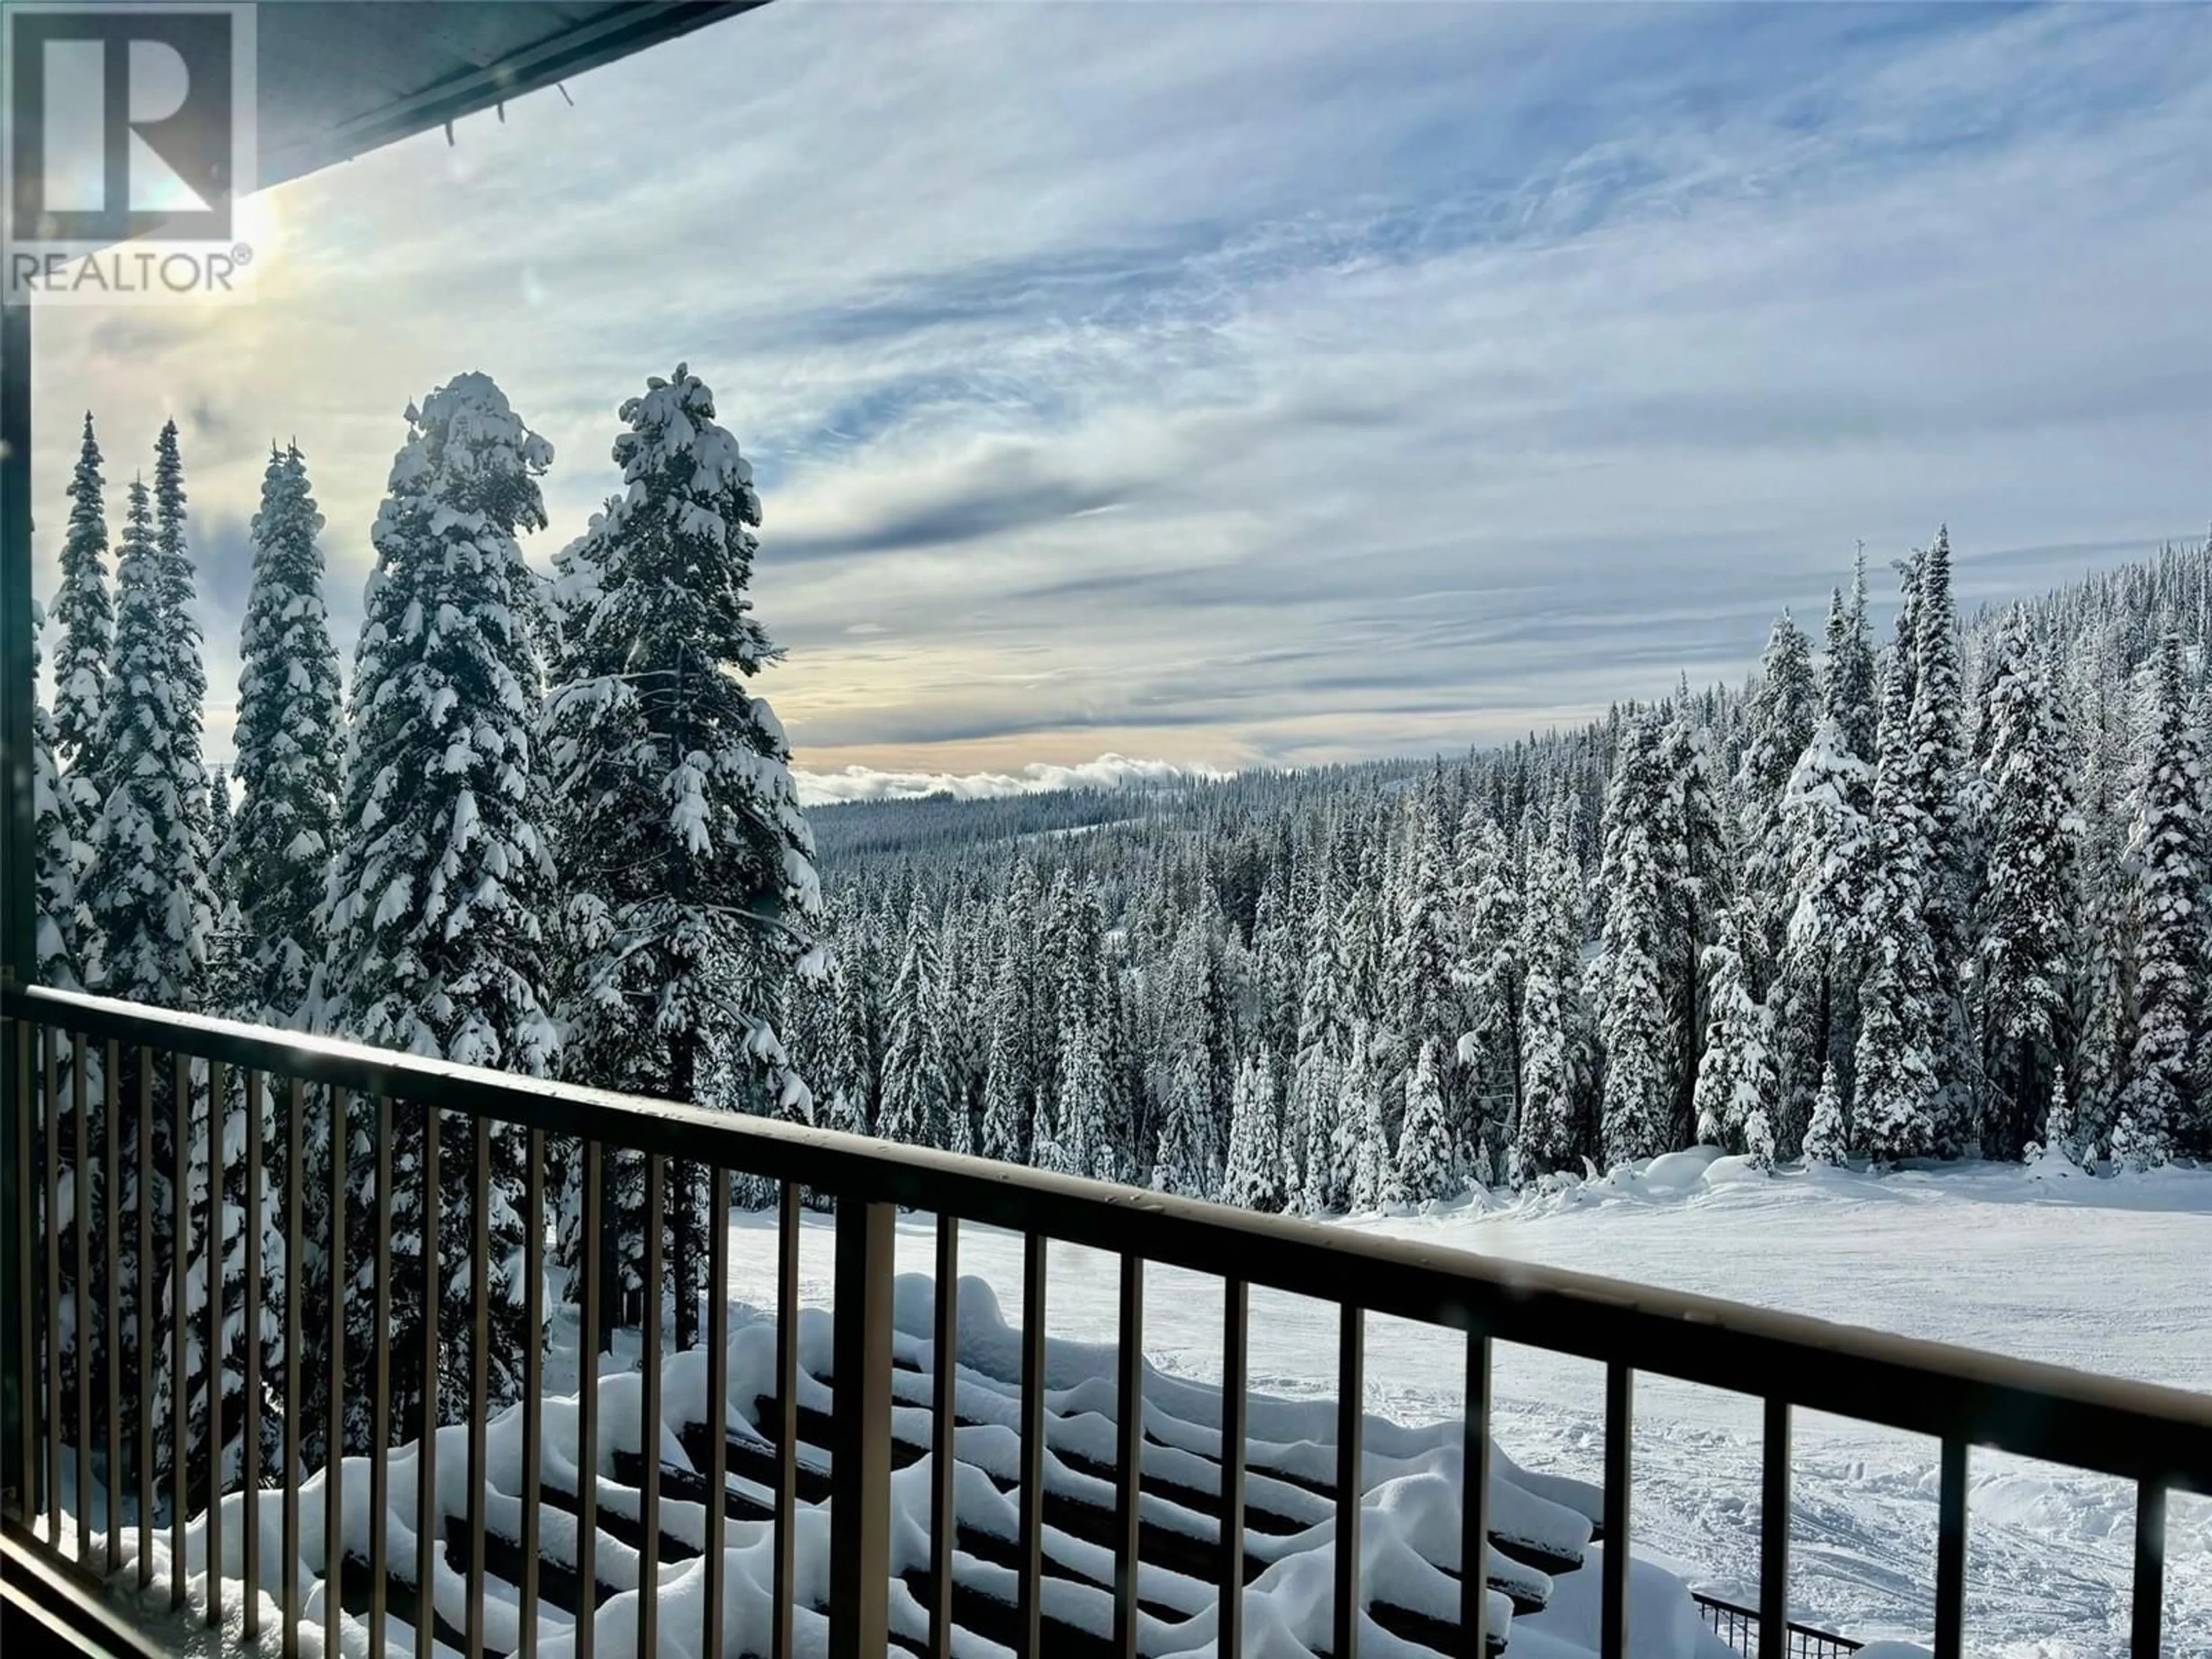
109	1105
1738	1626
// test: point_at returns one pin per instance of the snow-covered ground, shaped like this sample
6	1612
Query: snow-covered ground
2110	1275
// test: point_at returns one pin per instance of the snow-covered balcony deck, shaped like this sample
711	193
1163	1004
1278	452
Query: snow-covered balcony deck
1044	1514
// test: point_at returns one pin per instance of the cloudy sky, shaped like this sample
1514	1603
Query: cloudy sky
1223	384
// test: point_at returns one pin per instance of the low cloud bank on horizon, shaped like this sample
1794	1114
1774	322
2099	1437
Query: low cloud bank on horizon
864	783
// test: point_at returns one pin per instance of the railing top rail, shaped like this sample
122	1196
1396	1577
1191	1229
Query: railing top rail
2139	1430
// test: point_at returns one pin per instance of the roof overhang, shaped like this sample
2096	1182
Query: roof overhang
339	77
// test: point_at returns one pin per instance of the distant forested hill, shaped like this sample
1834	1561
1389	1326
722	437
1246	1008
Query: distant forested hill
1931	895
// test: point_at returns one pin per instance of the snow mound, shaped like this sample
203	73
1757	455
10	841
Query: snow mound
1539	1563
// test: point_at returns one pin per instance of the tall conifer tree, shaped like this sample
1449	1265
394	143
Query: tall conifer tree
2028	922
290	731
686	861
86	619
441	887
2158	1111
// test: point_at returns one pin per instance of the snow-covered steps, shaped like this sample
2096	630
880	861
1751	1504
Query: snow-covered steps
1537	1565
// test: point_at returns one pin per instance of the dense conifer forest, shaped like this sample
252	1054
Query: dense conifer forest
1934	896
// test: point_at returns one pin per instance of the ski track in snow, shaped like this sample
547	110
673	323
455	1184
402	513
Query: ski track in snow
2105	1275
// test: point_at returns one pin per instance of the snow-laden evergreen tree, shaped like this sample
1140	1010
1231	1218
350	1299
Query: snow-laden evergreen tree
1637	1016
1830	872
1736	1081
1851	686
228	949
1901	1023
2159	1113
1426	1003
174	564
852	1073
1783	706
86	619
1009	1090
1779	717
2025	921
1324	1044
1490	973
1085	1104
1428	1159
1193	1057
443	877
218	840
1827	1139
2057	1140
290	734
1254	1178
1319	1083
915	1083
80	1145
1373	1164
1698	885
1936	754
2102	1013
147	890
1045	1151
59	830
1547	1137
1182	1163
684	854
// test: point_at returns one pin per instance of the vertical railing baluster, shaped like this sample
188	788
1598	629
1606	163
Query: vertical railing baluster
787	1415
1951	1552
112	1319
1029	1551
1129	1444
1351	1436
380	1411
180	1252
1474	1501
718	1403
588	1402
52	1101
1235	1347
27	1329
142	1295
2147	1618
678	1179
142	1330
479	1374
249	1311
430	1540
944	1392
211	1361
648	1408
533	1379
334	1463
1620	1441
1774	1531
80	1295
860	1448
296	1294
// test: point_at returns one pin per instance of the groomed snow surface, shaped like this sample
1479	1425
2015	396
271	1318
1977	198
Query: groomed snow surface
2104	1273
